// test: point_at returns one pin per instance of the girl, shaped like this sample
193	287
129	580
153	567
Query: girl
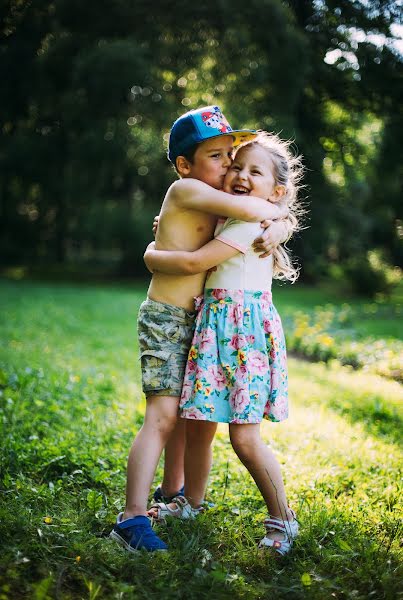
236	371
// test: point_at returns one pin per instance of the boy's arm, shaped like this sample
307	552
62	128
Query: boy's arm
181	262
197	195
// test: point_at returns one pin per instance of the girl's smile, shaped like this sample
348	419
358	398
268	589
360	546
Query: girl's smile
251	173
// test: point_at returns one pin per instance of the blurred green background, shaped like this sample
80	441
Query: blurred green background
90	89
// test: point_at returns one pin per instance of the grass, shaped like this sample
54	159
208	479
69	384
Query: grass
70	405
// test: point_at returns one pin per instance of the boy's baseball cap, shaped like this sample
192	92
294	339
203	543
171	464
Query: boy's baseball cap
199	125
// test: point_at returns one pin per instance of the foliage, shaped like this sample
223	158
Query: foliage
364	335
69	406
328	333
92	90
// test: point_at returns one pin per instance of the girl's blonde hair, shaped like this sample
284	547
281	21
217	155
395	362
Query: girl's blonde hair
287	171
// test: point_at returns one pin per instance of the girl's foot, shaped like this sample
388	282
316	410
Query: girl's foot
280	533
179	508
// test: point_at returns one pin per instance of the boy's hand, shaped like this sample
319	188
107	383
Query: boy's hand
274	234
155	224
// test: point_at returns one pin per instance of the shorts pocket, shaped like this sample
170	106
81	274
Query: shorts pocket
155	369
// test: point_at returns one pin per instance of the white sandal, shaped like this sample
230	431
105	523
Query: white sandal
289	529
183	510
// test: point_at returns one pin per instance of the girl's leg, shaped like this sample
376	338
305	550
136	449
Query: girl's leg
174	460
263	466
159	422
198	459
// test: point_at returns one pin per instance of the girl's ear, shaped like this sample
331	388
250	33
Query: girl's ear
182	166
278	192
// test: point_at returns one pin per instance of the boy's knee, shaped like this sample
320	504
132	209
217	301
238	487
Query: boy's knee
162	415
167	423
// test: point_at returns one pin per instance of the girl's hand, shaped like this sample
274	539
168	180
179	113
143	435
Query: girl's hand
155	224
274	234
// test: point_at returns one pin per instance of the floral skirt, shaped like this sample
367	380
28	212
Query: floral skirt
237	365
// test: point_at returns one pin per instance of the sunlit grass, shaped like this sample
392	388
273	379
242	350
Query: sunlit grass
70	406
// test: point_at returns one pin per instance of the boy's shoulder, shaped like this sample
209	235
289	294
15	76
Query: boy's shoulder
181	189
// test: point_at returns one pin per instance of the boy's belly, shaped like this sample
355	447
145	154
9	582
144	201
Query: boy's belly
178	290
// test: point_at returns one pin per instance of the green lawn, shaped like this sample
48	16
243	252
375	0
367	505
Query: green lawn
70	405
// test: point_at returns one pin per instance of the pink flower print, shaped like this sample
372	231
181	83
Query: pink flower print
237	341
235	314
237	296
241	372
206	339
250	339
198	302
199	372
267	325
191	366
257	363
239	399
193	413
217	377
186	392
219	294
266	297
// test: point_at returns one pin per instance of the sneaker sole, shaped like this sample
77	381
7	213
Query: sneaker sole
116	537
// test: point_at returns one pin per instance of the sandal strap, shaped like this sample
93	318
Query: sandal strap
289	528
183	511
272	523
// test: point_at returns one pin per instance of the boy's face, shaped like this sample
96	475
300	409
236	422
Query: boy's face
211	161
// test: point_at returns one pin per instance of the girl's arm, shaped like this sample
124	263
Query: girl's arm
181	262
197	195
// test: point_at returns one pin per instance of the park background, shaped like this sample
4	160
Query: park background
89	92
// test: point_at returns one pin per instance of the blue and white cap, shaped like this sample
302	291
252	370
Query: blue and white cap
199	125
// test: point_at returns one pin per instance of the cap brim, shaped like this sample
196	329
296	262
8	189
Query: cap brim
239	135
243	135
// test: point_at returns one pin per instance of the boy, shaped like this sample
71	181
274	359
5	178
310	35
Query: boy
200	147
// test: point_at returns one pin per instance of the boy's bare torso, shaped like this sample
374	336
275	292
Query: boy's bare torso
180	229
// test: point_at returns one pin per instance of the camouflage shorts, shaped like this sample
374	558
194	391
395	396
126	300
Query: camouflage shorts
165	335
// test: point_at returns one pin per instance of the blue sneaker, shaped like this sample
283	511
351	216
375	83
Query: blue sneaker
158	496
136	534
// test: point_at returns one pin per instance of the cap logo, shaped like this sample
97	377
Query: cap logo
216	120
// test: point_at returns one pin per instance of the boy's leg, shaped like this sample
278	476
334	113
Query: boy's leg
159	422
174	460
198	459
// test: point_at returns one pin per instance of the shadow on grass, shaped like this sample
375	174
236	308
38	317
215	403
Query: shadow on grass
371	410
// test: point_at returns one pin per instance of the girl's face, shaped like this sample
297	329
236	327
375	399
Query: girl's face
251	174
